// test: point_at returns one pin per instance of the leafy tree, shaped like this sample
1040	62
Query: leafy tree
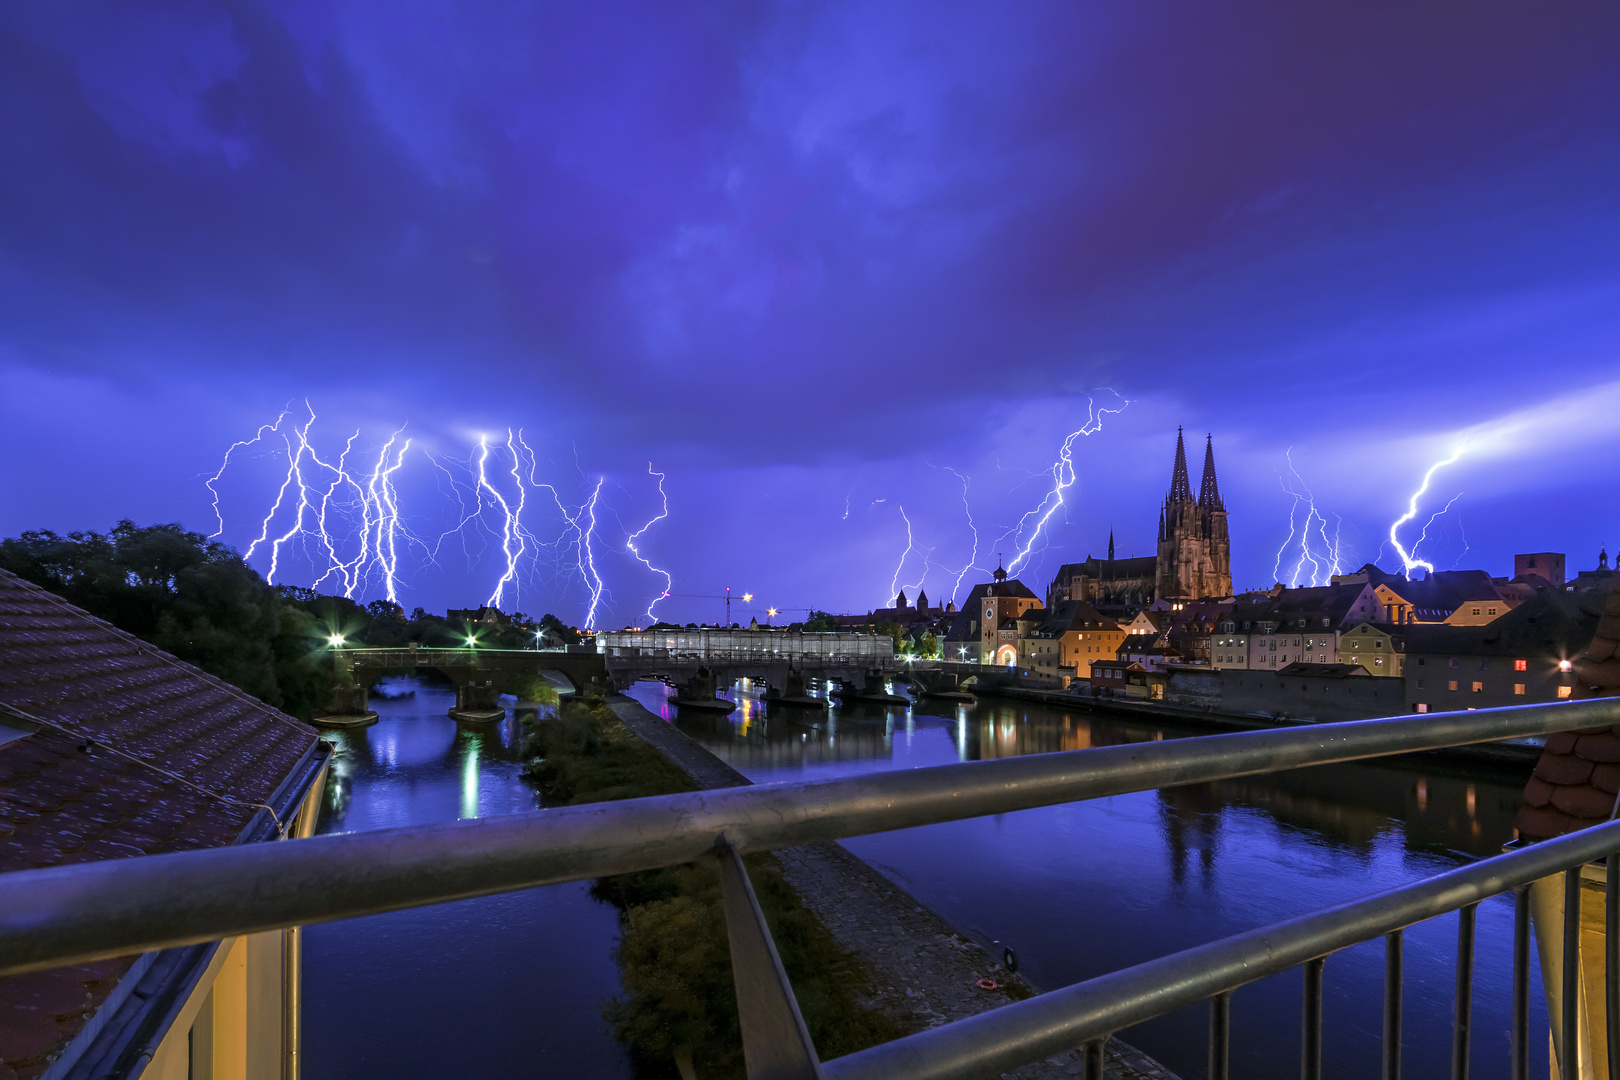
186	594
820	622
567	634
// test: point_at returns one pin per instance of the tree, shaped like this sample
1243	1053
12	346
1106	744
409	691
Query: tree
820	622
188	595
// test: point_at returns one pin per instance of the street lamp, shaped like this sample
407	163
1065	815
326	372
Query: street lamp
335	640
538	634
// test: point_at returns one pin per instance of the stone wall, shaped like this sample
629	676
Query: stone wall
923	973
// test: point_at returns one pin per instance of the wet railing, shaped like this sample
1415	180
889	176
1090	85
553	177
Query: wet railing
89	911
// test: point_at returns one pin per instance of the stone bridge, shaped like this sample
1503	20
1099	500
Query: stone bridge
700	663
480	675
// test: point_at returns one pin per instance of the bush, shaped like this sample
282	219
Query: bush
674	955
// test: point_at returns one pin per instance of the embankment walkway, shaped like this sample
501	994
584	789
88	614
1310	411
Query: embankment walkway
923	972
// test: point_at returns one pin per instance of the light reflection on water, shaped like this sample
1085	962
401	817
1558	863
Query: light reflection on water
498	986
1088	888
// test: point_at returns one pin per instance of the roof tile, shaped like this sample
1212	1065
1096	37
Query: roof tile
70	796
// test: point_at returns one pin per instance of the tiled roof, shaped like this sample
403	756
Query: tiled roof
66	798
1577	780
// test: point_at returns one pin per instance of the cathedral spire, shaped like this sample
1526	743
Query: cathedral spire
1209	492
1180	486
1110	545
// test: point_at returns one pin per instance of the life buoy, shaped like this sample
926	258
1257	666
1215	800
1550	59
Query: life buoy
988	984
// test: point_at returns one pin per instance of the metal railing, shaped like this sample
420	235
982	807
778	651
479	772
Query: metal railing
90	911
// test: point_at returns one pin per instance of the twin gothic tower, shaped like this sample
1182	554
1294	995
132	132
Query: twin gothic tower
1195	554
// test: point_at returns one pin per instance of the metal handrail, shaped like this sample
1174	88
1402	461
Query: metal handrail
1013	1035
95	910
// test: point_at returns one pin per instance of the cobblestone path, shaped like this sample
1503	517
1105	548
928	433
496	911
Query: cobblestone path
924	973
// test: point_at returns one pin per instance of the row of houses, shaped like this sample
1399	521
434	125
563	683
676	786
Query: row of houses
1455	639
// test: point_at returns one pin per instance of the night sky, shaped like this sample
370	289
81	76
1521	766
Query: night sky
816	263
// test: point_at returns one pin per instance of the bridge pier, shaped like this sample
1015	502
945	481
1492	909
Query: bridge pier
793	688
939	684
701	691
477	703
349	706
871	688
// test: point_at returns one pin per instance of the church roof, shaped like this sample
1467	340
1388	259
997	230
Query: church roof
1143	566
1180	486
1209	491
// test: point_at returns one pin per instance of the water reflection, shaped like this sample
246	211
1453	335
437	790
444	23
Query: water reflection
495	986
1088	888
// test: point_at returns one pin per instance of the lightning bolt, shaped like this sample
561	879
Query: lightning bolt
974	557
1409	559
594	580
383	502
1324	561
911	544
513	542
630	545
295	476
225	464
1063	478
582	522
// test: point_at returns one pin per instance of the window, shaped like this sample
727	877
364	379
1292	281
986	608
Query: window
1420	707
1378	662
1452	685
1563	691
1484	665
1518	689
1479	687
1521	665
1476	611
1421	661
1454	662
1420	684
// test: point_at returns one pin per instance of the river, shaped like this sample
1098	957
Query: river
500	986
1088	888
513	984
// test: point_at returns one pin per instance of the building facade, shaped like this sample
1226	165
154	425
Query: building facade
1195	552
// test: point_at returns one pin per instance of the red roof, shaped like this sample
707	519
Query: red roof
65	797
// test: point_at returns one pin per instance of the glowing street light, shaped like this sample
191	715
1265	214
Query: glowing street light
335	640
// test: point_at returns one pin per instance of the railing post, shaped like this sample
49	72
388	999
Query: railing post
1310	1044
776	1044
1462	1011
1519	1036
1569	1057
1394	974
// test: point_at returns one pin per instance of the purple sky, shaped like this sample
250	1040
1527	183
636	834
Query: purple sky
806	259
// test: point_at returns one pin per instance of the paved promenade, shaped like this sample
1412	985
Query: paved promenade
924	973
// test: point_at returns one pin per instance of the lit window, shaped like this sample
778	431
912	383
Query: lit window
1452	685
1563	691
1479	687
1420	707
1518	689
1521	665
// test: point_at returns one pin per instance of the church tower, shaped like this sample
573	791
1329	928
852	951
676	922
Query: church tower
1195	558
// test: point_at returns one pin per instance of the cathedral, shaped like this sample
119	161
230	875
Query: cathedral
1194	558
1195	554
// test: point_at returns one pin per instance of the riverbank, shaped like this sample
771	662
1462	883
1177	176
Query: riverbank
1518	756
924	973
